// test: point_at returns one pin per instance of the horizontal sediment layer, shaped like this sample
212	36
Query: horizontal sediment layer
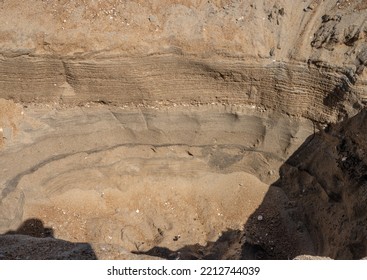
291	88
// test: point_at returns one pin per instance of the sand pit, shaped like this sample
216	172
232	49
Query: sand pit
182	129
145	177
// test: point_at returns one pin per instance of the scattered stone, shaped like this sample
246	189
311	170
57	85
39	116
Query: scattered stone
153	19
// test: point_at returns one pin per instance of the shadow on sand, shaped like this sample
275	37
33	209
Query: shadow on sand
33	241
274	231
316	207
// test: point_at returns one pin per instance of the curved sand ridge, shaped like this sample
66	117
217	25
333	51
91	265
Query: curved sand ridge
139	178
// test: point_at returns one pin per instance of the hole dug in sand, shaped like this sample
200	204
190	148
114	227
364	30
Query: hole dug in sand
139	179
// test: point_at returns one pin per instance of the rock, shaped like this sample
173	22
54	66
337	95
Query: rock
153	19
327	35
351	35
362	56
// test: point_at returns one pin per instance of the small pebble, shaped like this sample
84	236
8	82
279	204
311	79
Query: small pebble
260	218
